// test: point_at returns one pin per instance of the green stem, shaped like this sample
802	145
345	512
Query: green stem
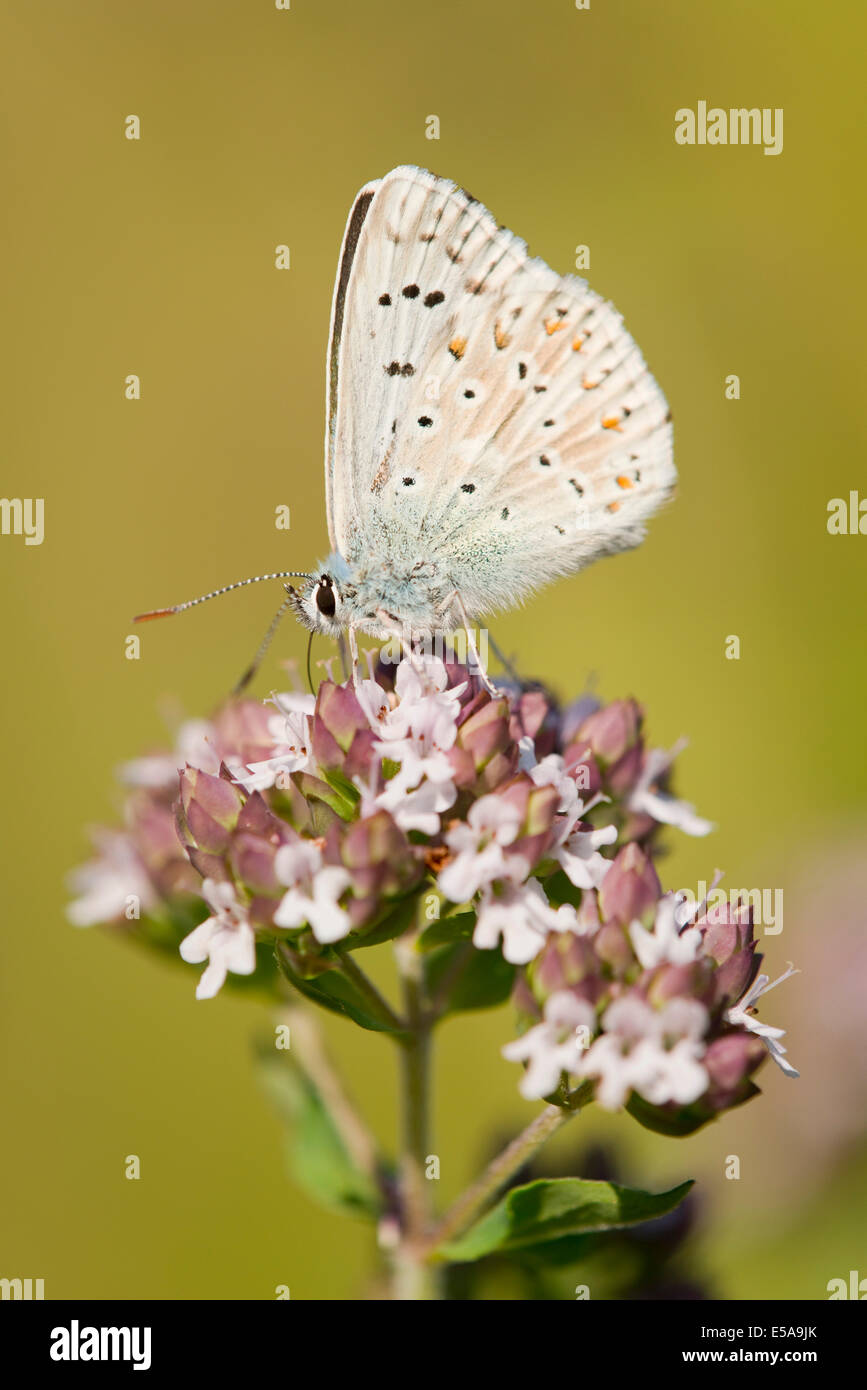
498	1173
365	986
449	980
414	1279
415	1069
308	1049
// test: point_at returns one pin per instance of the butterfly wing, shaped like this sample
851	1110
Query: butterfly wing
484	414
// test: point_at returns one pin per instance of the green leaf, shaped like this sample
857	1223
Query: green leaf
559	889
318	1157
472	979
342	785
553	1207
165	931
456	927
332	990
315	789
393	922
677	1122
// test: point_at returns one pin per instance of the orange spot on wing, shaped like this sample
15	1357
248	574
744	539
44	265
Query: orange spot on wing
589	385
623	481
553	326
501	337
577	344
457	347
610	422
613	507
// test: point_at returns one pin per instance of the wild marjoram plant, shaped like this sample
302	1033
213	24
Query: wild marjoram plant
505	846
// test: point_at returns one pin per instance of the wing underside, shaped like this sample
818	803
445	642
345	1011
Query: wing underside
484	414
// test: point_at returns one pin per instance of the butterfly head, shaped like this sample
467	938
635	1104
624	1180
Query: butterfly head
318	605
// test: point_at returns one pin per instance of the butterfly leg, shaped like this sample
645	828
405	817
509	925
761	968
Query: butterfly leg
473	649
353	654
394	627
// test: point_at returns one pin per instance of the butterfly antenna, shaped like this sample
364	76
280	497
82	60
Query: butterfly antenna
341	651
216	593
263	647
309	672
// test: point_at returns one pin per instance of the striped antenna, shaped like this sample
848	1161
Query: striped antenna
263	647
227	589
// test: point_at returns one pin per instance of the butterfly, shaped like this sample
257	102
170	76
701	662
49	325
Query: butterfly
491	425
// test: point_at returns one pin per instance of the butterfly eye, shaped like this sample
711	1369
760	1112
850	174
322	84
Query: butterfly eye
325	600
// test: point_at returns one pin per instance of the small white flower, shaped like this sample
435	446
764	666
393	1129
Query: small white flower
662	806
655	1052
416	733
553	1046
666	943
226	940
740	1017
422	751
550	772
314	889
374	702
576	850
290	731
523	917
419	808
477	846
422	679
671	1074
105	884
527	759
580	859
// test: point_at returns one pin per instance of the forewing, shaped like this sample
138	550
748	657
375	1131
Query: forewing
484	413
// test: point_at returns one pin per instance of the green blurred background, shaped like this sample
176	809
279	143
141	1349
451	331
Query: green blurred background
156	257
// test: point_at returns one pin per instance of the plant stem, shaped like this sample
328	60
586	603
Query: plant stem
415	1063
365	986
449	980
472	1202
414	1279
309	1051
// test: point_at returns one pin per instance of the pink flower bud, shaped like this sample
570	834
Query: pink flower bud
730	1062
210	808
483	732
612	729
535	715
612	947
630	887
